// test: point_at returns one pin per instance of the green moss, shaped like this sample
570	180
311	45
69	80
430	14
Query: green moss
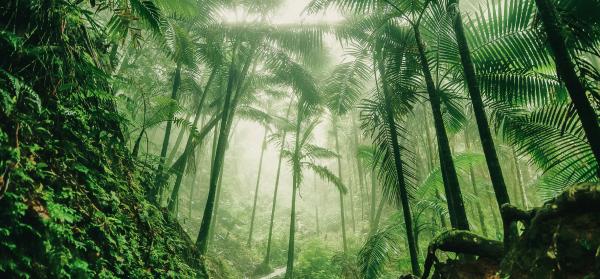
75	204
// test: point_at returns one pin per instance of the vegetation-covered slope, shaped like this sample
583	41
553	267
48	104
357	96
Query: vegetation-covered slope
72	200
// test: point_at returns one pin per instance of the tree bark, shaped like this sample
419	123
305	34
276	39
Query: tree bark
565	68
339	165
289	272
438	196
475	190
190	146
510	231
391	123
203	233
260	163
158	186
275	191
456	207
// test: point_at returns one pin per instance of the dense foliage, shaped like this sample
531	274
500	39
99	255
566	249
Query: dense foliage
195	138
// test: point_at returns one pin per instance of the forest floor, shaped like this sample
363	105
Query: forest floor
275	274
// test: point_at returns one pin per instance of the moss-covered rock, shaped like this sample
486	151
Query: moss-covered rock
561	240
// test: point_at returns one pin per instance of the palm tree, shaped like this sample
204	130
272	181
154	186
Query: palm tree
189	147
304	156
565	68
390	121
264	119
180	47
275	45
235	75
284	129
413	13
383	245
342	90
485	135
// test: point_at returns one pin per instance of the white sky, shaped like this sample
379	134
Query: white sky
291	11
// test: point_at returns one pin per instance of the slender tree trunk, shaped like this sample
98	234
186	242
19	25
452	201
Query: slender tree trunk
400	173
377	216
510	230
289	273
352	215
475	190
260	163
189	147
215	220
316	206
339	165
429	154
271	222
136	146
275	191
361	182
373	202
194	178
456	206
180	165
565	68
520	185
202	240
177	143
191	198
158	187
229	107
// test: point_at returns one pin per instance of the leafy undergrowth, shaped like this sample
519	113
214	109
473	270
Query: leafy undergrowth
72	201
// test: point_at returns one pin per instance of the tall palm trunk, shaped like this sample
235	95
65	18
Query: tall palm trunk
289	273
491	157
519	176
203	233
192	192
275	191
475	190
316	207
157	191
215	220
567	73
229	107
189	148
391	123
136	146
339	165
260	163
520	183
377	217
429	154
456	206
373	201
194	178
351	188
178	141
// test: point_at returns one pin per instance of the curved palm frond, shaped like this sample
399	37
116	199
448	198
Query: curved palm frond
377	250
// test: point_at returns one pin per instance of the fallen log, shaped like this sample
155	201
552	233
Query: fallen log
462	242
